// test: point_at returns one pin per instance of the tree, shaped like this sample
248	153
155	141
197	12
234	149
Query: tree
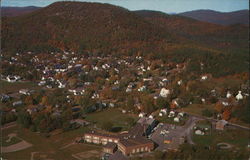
162	103
28	100
148	104
226	114
45	100
219	107
24	119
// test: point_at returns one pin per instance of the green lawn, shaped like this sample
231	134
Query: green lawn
237	138
51	147
13	140
16	86
115	116
197	108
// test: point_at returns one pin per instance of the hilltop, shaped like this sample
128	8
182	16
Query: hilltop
81	26
222	18
17	11
203	33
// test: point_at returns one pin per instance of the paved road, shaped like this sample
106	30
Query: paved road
176	134
216	120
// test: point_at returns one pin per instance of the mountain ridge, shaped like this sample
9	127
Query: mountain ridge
217	17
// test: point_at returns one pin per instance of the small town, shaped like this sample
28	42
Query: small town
147	97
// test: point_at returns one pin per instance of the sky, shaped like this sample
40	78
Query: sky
168	6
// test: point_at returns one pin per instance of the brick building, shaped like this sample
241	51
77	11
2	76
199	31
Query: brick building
134	145
128	143
100	138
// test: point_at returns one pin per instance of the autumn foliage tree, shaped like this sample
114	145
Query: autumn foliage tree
226	114
219	107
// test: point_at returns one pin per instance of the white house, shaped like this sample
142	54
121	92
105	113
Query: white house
225	103
239	96
176	119
151	117
12	78
61	85
164	92
228	94
181	114
124	111
164	80
179	82
24	91
147	79
160	114
141	89
171	114
142	114
164	111
128	90
204	77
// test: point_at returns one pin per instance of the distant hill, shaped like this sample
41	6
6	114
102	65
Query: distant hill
17	11
82	26
188	29
222	18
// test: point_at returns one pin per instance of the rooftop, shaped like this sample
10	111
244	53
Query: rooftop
134	141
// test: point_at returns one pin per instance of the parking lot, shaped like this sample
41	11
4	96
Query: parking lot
169	136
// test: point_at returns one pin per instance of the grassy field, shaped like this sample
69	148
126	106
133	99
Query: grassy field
235	137
48	147
114	116
13	140
16	86
197	108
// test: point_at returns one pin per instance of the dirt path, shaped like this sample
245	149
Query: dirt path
16	147
66	146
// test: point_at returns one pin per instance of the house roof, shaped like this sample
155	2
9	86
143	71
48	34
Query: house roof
146	120
138	130
134	141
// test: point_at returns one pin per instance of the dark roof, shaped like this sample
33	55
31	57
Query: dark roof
110	145
138	130
146	121
134	141
118	156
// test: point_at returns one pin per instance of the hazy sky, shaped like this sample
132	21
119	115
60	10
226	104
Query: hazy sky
167	6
